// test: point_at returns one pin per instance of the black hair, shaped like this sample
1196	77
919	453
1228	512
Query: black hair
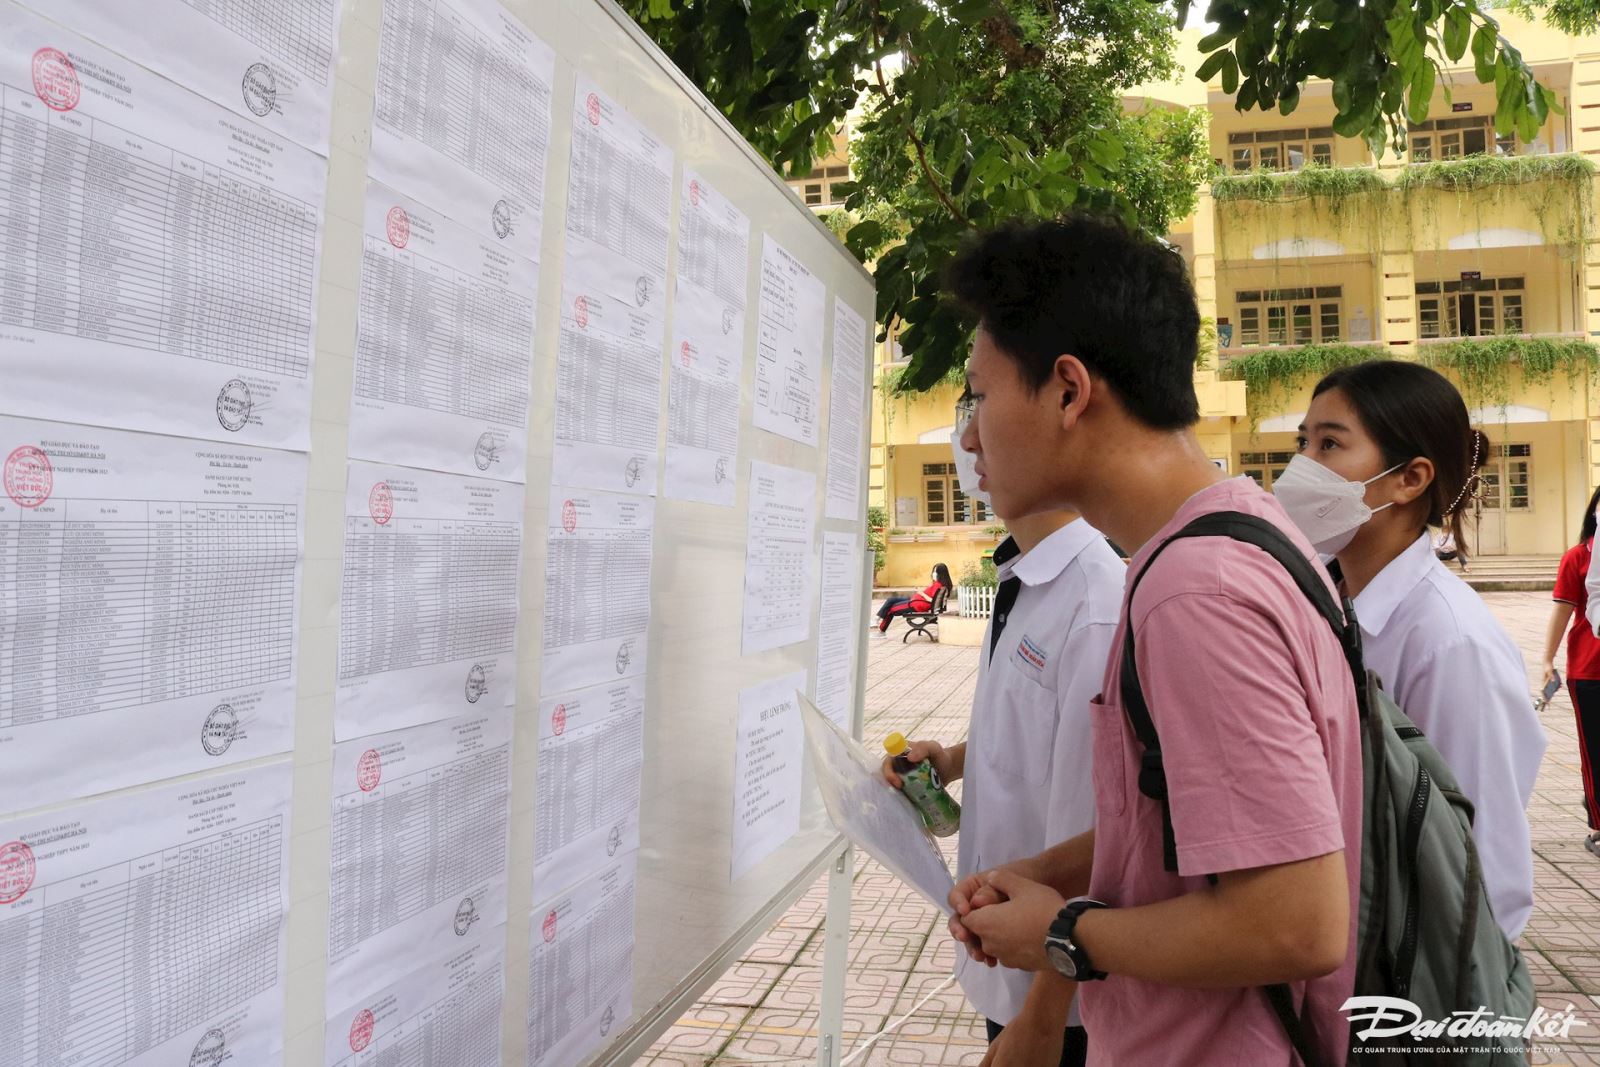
1587	530
1413	411
941	574
1092	288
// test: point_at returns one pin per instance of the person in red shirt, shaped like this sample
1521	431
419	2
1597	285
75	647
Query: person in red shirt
1583	663
923	601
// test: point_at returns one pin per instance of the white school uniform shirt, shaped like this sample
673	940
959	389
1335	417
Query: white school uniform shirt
1456	673
1027	778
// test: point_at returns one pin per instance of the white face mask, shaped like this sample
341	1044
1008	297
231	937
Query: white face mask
967	470
1327	508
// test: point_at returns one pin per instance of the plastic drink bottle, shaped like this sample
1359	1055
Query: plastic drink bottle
920	782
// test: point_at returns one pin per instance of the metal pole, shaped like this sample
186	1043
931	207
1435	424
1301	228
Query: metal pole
836	931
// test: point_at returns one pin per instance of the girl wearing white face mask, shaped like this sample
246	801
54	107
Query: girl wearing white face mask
1387	451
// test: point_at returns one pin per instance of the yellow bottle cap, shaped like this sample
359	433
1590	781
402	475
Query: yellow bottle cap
895	744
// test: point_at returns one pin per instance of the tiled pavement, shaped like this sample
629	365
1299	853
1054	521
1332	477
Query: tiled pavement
764	1009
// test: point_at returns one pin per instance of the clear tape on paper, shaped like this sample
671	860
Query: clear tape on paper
869	811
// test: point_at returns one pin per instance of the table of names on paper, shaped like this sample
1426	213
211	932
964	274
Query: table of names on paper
462	115
707	352
153	924
147	586
162	250
613	301
428	599
419	848
620	192
271	61
591	756
445	1013
443	345
597	588
580	969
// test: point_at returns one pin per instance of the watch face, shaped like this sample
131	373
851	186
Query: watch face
1061	959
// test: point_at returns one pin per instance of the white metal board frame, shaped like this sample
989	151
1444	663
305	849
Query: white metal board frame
690	922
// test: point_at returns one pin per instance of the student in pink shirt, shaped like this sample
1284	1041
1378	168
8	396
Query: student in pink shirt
1083	362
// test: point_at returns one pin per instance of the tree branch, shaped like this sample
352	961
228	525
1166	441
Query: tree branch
894	104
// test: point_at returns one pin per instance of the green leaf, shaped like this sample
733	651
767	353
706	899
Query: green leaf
1421	91
1230	74
1213	65
1483	49
1457	32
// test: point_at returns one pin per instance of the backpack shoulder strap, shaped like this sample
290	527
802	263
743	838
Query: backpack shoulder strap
1239	527
1152	773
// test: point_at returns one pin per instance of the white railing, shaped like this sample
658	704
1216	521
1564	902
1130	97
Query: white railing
975	602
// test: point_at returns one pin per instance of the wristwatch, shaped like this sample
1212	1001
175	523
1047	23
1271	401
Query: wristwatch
1066	955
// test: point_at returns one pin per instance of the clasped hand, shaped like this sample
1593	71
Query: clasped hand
1002	916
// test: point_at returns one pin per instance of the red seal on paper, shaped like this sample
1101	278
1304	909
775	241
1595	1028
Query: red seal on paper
558	720
549	927
381	503
29	476
369	770
591	107
55	79
580	312
694	193
16	872
398	225
569	517
685	354
361	1030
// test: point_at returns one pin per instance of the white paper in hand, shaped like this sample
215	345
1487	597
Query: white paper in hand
873	814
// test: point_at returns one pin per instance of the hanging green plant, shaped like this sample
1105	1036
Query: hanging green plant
1558	189
1272	375
1482	366
1311	182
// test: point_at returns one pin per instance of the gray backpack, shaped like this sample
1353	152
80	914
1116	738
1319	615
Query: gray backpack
1426	931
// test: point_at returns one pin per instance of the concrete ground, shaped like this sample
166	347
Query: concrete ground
764	1009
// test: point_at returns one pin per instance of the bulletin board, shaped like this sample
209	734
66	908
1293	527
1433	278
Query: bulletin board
303	124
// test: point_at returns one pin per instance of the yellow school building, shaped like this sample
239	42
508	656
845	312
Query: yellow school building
1473	252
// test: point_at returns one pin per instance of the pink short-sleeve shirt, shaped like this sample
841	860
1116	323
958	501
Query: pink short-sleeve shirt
1255	706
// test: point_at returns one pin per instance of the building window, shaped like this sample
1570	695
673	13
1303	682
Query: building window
1308	315
1508	478
813	193
1264	467
1281	149
1478	308
1454	138
943	502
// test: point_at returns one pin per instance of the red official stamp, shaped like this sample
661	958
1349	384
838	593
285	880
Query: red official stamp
398	225
569	517
361	1030
558	720
29	478
55	79
369	770
685	354
549	927
694	193
580	312
591	107
17	869
381	503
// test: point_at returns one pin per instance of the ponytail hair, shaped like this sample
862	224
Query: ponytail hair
1586	532
1414	412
